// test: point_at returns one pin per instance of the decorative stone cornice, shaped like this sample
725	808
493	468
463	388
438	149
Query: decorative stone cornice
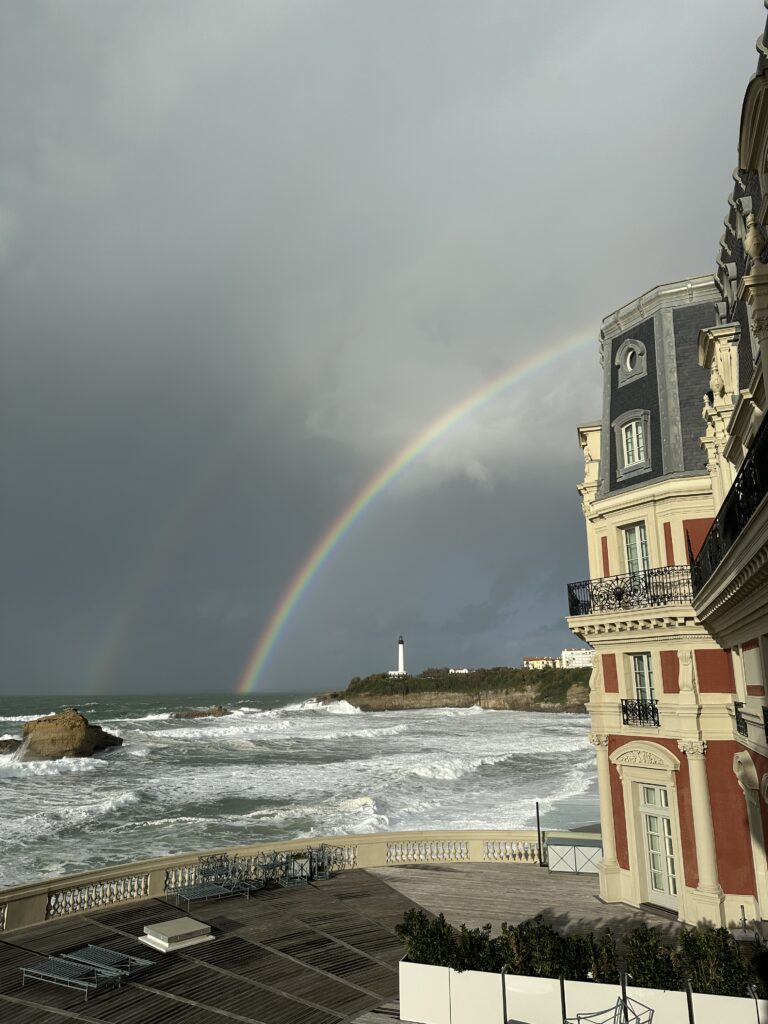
693	748
675	294
592	626
598	739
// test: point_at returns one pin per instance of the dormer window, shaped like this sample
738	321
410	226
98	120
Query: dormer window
633	438
633	443
631	361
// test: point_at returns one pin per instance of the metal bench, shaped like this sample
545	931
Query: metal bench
71	974
201	891
102	956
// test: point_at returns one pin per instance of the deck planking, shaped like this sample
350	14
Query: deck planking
321	954
476	894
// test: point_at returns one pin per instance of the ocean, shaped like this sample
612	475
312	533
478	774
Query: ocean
280	767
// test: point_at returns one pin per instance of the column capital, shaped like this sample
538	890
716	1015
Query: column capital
598	739
693	748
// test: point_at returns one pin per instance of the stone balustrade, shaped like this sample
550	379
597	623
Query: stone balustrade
25	905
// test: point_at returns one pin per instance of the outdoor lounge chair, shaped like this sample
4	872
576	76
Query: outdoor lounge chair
71	974
102	956
201	891
637	1013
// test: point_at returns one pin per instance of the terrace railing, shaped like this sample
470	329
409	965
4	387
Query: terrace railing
640	712
26	905
742	501
650	588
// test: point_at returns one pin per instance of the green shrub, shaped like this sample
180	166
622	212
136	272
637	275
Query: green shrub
533	948
710	958
649	961
604	962
759	967
477	951
427	940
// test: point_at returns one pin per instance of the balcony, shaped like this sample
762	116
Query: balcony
640	712
741	722
741	502
671	584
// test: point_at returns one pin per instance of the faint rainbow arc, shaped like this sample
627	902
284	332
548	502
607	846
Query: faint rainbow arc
322	550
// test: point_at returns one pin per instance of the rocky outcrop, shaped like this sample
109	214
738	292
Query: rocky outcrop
67	734
215	712
9	746
523	699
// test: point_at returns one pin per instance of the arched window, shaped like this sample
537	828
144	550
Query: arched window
633	443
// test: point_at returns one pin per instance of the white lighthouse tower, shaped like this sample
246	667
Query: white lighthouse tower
400	670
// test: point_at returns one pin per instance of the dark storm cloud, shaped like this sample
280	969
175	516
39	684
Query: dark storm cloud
248	251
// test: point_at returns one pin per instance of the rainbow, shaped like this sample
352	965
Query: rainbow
336	531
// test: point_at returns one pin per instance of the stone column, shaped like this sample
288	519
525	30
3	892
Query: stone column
609	866
746	774
709	895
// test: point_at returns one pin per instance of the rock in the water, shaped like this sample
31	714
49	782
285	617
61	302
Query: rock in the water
9	746
66	734
215	712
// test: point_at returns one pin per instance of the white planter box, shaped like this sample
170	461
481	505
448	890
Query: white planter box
439	995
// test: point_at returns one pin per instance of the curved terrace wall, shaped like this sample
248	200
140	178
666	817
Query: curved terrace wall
24	905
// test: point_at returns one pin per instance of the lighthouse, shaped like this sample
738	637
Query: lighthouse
400	670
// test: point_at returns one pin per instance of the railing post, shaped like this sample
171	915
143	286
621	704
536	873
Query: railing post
689	1000
538	833
563	1008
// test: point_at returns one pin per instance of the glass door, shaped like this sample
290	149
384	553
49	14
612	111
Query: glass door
659	846
636	548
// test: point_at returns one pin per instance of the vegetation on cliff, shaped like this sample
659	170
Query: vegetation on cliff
550	685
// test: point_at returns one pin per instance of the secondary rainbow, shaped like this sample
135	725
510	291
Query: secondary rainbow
333	535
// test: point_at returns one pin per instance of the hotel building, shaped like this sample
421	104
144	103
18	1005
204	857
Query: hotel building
676	607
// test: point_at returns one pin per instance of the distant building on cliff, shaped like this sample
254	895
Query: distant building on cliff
577	657
539	663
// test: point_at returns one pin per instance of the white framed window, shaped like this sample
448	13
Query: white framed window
633	443
636	548
642	676
633	439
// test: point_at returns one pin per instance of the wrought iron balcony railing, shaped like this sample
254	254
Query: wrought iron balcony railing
640	712
741	722
765	722
740	504
671	584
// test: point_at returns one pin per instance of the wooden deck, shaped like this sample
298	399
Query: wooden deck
323	954
475	894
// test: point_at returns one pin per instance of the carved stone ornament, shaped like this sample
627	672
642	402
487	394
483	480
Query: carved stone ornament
693	748
754	240
641	758
598	740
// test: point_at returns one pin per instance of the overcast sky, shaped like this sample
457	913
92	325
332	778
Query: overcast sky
248	250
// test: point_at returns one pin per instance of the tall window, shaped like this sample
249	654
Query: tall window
636	548
643	676
633	437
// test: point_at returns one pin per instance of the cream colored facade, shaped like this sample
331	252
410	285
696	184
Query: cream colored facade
643	614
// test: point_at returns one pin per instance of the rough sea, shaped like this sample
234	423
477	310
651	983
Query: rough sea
280	767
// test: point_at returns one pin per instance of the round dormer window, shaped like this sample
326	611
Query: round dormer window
630	360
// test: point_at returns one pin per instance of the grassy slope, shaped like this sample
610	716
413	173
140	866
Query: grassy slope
551	684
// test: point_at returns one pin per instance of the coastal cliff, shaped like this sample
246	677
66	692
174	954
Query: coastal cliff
526	699
499	689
